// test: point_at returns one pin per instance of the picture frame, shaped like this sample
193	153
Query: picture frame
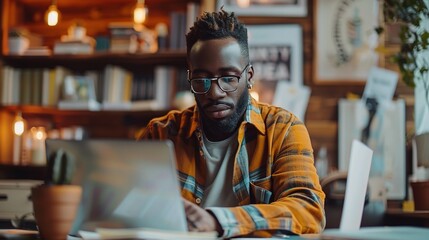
78	88
389	146
78	93
278	57
345	40
272	8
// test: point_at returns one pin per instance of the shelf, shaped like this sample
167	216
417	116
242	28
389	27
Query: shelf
98	124
39	111
99	60
22	172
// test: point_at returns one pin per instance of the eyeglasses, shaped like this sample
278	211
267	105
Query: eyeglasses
228	83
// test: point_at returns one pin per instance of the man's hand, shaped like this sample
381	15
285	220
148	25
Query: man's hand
199	220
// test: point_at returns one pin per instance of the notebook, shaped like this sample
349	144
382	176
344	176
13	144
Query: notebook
126	184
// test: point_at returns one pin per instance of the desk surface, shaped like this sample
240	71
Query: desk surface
366	233
397	217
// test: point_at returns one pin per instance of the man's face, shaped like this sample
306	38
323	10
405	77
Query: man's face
221	111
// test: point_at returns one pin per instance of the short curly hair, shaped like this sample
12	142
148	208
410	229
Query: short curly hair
218	25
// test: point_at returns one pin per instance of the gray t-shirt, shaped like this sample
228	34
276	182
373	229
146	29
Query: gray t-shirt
220	166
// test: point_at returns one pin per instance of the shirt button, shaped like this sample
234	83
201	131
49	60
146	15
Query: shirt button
198	201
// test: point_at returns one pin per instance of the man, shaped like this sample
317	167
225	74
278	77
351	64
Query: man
244	167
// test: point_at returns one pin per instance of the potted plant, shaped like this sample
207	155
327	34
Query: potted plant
55	202
412	59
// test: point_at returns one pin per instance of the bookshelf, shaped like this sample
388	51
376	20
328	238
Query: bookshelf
99	60
96	16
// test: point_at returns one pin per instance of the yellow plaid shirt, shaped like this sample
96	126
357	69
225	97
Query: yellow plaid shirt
274	177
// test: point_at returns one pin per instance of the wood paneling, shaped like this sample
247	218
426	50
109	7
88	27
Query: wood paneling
322	112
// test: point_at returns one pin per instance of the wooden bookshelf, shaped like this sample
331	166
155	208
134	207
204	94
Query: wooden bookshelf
99	60
95	16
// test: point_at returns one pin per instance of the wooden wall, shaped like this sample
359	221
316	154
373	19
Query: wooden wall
322	112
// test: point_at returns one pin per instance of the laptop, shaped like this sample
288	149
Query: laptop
125	184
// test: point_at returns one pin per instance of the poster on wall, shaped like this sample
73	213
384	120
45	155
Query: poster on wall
345	40
284	8
278	57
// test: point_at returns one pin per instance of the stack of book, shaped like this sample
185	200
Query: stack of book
73	47
123	37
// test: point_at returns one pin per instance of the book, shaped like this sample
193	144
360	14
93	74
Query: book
90	104
145	233
37	51
73	47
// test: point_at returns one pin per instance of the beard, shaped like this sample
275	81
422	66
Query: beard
228	125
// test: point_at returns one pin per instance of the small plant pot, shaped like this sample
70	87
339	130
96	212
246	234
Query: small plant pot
55	208
18	45
420	194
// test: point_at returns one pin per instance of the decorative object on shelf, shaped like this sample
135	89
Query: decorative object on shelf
287	8
75	42
419	180
55	202
148	41
38	154
18	130
76	31
52	15
345	41
162	35
18	43
78	93
277	58
420	194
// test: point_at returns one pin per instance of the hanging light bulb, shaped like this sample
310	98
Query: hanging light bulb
243	3
52	15
140	12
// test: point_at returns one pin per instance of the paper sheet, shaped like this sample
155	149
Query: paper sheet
357	181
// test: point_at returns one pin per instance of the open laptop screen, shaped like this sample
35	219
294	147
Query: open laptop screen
125	183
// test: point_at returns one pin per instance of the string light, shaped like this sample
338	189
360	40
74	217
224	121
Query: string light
52	15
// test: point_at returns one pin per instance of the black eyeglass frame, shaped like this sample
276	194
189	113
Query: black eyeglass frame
216	79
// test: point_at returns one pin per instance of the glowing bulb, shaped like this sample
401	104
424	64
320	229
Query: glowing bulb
52	15
39	135
140	12
18	125
243	3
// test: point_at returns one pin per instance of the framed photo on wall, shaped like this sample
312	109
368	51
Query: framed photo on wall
279	8
276	54
345	40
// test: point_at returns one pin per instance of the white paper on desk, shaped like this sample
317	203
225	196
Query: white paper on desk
293	98
357	181
379	233
421	110
145	233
